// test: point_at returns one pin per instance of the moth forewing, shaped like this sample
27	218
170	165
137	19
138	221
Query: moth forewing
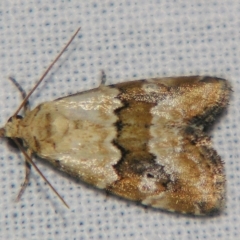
142	140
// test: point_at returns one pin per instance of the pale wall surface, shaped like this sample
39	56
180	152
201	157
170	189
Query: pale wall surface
128	40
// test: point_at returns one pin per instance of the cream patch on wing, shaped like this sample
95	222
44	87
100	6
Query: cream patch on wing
166	141
81	134
96	105
147	185
160	199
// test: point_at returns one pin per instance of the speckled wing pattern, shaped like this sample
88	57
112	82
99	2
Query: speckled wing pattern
142	140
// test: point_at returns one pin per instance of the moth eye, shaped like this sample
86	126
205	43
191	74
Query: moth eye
12	144
17	117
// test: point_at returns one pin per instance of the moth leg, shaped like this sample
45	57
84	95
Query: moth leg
107	193
145	209
23	93
103	78
27	174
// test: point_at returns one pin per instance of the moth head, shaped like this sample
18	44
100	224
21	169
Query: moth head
11	127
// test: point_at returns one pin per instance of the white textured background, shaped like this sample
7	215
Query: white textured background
128	40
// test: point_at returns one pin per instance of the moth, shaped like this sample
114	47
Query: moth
142	140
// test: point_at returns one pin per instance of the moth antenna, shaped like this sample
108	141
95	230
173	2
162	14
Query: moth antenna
29	160
23	93
45	73
19	87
